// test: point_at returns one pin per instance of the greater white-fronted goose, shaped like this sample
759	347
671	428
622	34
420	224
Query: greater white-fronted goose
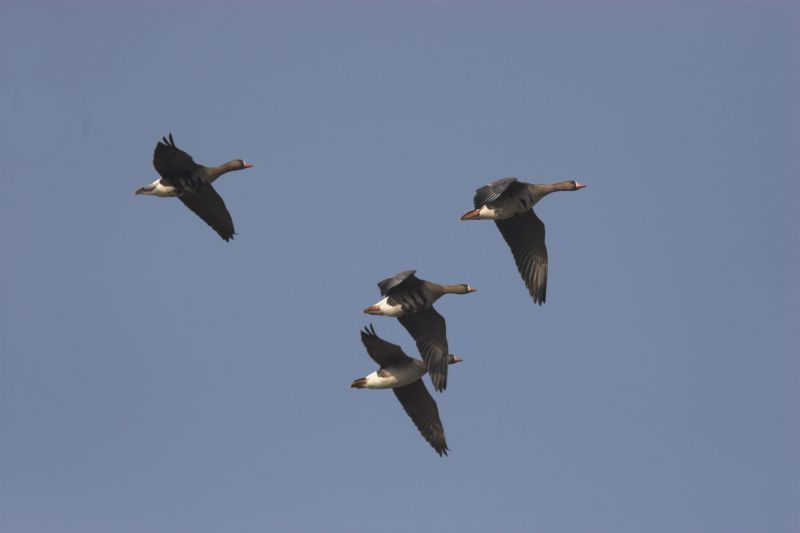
403	374
410	299
182	177
509	203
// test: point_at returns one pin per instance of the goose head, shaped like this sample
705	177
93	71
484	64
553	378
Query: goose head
238	164
461	288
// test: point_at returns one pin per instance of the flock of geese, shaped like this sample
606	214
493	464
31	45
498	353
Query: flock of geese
507	201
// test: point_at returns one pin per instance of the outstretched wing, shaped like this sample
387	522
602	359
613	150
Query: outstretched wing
382	352
525	236
174	165
430	333
420	406
208	205
493	191
399	282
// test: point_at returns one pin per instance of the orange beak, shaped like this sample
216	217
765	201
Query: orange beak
372	310
472	215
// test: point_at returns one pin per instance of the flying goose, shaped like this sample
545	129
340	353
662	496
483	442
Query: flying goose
410	299
403	374
508	202
182	177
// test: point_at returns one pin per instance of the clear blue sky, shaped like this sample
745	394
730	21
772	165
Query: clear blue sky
155	379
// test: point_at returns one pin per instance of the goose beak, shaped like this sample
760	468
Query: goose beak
579	186
471	289
472	215
456	359
248	165
372	310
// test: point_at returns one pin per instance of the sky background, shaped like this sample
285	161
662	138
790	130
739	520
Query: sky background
154	378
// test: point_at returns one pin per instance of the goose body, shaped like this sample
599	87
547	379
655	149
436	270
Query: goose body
509	203
402	374
410	300
183	178
160	188
505	198
406	294
384	308
394	376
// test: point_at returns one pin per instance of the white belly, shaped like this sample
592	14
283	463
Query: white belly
164	190
395	377
487	213
388	310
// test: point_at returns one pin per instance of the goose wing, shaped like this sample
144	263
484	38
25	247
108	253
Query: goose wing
209	206
174	165
170	160
399	282
430	333
420	406
382	352
491	192
524	234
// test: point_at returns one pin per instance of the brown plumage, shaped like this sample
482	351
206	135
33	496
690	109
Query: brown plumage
414	397
411	299
191	182
509	203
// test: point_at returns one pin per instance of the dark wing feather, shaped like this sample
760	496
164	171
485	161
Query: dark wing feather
420	406
430	332
493	191
208	205
402	281
382	352
171	162
525	236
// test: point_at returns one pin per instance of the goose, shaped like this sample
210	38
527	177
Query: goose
410	300
191	183
403	374
509	203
